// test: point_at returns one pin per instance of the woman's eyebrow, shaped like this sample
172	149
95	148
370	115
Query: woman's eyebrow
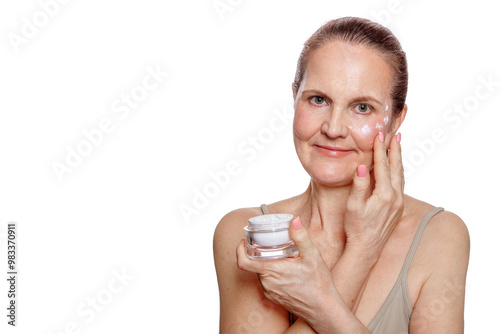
316	92
366	99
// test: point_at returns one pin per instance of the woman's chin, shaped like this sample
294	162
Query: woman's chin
328	180
334	173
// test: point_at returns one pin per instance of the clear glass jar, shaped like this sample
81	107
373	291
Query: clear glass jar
267	237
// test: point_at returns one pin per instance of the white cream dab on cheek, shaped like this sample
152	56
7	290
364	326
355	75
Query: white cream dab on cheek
379	126
366	129
386	118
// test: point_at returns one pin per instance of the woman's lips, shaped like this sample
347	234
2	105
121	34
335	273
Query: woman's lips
335	152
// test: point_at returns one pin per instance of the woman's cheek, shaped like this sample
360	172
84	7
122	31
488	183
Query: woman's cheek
303	125
364	133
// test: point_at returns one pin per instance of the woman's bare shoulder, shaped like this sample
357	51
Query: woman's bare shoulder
229	231
241	296
445	238
444	224
236	220
446	234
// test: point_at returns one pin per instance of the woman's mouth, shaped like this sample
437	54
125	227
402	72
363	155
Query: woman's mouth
334	152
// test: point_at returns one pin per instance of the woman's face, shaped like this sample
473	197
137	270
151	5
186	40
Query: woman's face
342	104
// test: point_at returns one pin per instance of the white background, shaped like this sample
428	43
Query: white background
119	209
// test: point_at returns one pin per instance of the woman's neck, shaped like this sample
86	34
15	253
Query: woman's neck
322	207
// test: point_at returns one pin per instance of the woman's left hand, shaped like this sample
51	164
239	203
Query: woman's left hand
371	215
300	284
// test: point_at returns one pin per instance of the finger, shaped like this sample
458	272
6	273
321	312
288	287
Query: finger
360	187
300	237
396	163
244	263
382	171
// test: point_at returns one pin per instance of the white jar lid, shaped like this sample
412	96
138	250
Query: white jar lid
270	222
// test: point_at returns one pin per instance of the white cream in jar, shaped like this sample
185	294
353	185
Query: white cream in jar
267	237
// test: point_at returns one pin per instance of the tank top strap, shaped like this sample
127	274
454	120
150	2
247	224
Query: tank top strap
401	285
416	240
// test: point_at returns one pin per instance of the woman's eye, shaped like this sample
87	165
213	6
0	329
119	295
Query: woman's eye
318	100
363	108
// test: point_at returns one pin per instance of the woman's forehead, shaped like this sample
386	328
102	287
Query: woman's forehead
347	67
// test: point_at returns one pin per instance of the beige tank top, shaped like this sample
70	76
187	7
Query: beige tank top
394	315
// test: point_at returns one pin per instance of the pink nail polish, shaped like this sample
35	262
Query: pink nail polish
361	170
398	137
297	224
381	136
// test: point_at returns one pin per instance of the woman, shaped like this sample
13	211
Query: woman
371	259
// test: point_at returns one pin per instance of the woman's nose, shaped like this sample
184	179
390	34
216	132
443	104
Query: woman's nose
334	124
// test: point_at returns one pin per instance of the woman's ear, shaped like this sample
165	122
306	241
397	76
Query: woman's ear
396	122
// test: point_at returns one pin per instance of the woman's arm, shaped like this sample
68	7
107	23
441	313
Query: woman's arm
350	274
444	249
243	306
373	210
303	285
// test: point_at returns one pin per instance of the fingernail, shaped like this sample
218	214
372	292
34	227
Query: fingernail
381	136
297	224
398	137
361	170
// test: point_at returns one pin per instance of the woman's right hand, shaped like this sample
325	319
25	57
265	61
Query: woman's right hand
372	211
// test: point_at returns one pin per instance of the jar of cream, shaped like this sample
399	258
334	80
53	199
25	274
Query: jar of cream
267	237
